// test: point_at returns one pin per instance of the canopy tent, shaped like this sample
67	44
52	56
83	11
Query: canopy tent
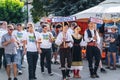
108	9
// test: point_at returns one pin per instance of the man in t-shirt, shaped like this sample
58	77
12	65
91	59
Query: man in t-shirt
19	33
10	45
46	46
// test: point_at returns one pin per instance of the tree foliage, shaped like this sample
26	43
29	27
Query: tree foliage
12	11
69	7
60	7
38	10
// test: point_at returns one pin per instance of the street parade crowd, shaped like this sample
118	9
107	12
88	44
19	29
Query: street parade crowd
59	43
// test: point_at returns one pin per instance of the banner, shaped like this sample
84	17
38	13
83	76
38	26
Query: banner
63	19
96	20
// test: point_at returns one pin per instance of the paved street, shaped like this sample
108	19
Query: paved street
110	75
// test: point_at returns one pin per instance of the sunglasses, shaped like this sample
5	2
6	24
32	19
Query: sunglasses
11	29
27	27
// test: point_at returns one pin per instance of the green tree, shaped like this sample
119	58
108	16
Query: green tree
38	9
60	7
12	11
69	7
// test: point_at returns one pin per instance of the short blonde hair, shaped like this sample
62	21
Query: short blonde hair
9	26
30	23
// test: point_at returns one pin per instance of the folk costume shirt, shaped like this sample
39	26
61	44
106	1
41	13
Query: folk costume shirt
59	39
87	39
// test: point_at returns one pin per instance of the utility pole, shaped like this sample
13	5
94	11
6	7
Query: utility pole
27	11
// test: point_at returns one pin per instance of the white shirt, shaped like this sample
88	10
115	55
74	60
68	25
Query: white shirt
2	32
20	36
45	40
90	39
71	31
59	39
31	41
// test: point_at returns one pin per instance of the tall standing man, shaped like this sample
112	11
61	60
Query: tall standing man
92	38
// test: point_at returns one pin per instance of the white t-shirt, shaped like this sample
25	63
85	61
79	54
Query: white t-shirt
20	36
2	32
45	40
31	41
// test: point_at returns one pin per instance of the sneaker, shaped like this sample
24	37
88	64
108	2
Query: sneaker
51	74
35	77
19	72
15	78
102	70
43	72
23	66
113	68
9	79
107	67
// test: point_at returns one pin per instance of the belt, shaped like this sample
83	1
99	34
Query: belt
92	44
76	44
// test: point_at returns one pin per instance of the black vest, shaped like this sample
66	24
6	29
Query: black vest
90	34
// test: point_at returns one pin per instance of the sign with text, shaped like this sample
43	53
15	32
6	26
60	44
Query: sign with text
96	20
63	19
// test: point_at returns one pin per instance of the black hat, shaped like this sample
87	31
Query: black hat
65	23
58	26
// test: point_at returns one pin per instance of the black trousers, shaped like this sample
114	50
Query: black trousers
2	54
32	58
92	53
46	54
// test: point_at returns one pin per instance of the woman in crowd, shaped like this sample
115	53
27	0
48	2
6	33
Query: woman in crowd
76	53
31	47
112	48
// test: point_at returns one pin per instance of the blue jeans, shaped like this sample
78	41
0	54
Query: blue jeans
11	58
32	58
19	57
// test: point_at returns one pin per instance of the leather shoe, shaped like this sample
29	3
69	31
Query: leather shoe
97	76
92	76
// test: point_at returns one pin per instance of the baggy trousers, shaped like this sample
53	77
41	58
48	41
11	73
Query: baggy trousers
66	60
92	53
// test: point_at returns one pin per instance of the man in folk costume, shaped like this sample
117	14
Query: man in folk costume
92	38
64	41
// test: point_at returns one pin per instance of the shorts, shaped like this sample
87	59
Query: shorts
11	58
112	49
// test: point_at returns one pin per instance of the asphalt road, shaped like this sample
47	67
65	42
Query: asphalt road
110	75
